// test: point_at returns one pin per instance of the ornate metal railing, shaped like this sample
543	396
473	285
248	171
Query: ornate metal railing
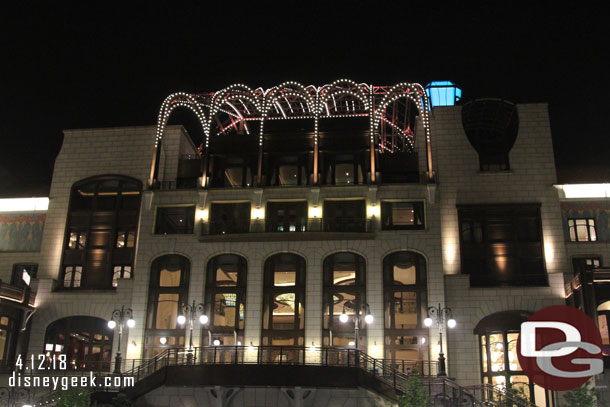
442	391
300	225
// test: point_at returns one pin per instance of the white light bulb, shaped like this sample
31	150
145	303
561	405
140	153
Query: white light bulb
203	319
428	322
111	324
351	343
451	323
369	319
181	319
163	340
131	323
216	342
343	318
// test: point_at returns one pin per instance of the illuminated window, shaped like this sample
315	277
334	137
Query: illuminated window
23	274
169	282
6	340
103	216
72	276
498	335
344	276
405	305
225	297
582	230
126	239
284	300
402	215
120	272
86	342
77	240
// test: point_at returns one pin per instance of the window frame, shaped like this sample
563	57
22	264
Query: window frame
189	223
392	333
212	289
573	230
330	290
154	292
478	258
271	291
419	212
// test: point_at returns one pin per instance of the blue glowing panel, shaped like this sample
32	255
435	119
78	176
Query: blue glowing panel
443	93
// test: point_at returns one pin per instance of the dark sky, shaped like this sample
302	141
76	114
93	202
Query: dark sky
106	65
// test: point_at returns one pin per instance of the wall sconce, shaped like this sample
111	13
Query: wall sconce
315	212
258	213
373	210
202	214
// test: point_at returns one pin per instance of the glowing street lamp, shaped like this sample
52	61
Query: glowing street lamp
189	313
120	318
441	315
368	318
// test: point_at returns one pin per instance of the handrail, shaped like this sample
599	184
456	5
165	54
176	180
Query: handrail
440	389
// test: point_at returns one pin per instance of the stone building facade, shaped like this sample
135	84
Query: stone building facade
371	241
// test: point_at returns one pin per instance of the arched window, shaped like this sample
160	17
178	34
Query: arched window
86	342
99	246
498	334
405	304
284	299
225	299
169	282
7	329
344	291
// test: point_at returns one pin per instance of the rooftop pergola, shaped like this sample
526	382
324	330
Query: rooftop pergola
239	109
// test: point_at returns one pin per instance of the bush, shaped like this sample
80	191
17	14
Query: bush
583	396
74	397
415	394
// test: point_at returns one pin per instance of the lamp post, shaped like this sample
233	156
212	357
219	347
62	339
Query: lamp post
15	397
189	313
368	318
441	315
120	318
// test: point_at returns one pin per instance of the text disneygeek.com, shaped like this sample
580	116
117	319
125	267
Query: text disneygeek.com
66	382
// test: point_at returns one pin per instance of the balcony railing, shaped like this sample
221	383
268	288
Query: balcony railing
17	294
441	390
302	225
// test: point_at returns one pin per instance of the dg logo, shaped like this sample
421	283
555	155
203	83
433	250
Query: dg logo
559	348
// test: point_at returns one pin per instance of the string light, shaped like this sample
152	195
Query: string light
292	100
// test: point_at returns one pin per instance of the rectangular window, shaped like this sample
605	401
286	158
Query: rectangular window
72	276
286	216
77	240
402	215
226	218
582	230
126	238
345	216
120	272
175	220
502	244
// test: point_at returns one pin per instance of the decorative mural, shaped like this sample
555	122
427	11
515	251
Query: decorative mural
21	231
600	211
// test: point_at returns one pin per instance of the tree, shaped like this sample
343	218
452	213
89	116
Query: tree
583	396
414	395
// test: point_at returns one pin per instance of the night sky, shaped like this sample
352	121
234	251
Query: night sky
105	65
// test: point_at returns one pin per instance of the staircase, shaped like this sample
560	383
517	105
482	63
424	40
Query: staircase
442	391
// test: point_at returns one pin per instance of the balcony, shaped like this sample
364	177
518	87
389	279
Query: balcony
297	229
20	295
